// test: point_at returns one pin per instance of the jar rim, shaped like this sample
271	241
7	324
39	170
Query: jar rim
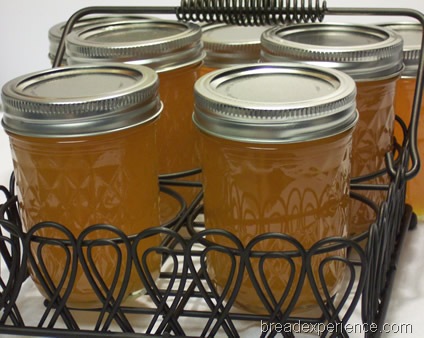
362	51
411	33
156	43
235	104
55	32
80	100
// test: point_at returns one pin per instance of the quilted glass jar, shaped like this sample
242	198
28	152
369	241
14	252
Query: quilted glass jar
56	31
83	141
174	50
275	159
372	56
230	45
405	89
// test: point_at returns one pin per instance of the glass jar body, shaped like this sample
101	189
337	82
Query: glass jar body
372	139
404	100
82	181
177	136
299	189
207	69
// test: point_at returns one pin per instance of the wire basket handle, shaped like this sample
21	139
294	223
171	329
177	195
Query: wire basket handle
267	12
245	12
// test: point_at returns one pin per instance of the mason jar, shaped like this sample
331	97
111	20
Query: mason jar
83	141
174	50
411	34
55	32
372	56
230	45
275	159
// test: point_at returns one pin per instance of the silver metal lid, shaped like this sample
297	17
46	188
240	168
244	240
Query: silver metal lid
227	45
412	34
160	44
80	100
56	31
365	52
275	103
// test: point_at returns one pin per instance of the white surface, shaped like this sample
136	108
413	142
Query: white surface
24	47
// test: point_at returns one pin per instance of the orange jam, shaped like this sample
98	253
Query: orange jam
84	155
174	50
177	135
275	161
403	104
296	189
205	69
372	56
411	33
372	139
78	182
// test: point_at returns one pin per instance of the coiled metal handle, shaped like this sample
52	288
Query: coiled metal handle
252	12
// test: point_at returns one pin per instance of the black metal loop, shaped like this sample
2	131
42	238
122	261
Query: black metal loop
188	276
245	12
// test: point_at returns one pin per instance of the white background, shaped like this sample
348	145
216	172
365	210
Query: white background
24	48
24	25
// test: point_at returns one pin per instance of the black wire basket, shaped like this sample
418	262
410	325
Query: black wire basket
183	300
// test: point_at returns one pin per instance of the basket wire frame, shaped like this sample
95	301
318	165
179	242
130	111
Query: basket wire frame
167	303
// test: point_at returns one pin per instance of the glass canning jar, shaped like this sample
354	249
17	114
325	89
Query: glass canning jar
275	159
83	142
55	32
372	56
230	45
405	89
174	50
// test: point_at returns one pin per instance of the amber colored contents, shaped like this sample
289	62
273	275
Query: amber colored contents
299	189
176	132
78	182
404	99
206	69
372	139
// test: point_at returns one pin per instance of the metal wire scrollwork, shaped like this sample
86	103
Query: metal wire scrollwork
185	281
386	236
245	12
12	255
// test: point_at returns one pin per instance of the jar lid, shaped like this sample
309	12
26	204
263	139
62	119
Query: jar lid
363	51
56	31
160	44
412	34
227	45
80	100
275	103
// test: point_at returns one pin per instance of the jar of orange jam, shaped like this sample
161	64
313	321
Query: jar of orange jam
230	45
372	56
83	141
174	50
275	159
412	35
